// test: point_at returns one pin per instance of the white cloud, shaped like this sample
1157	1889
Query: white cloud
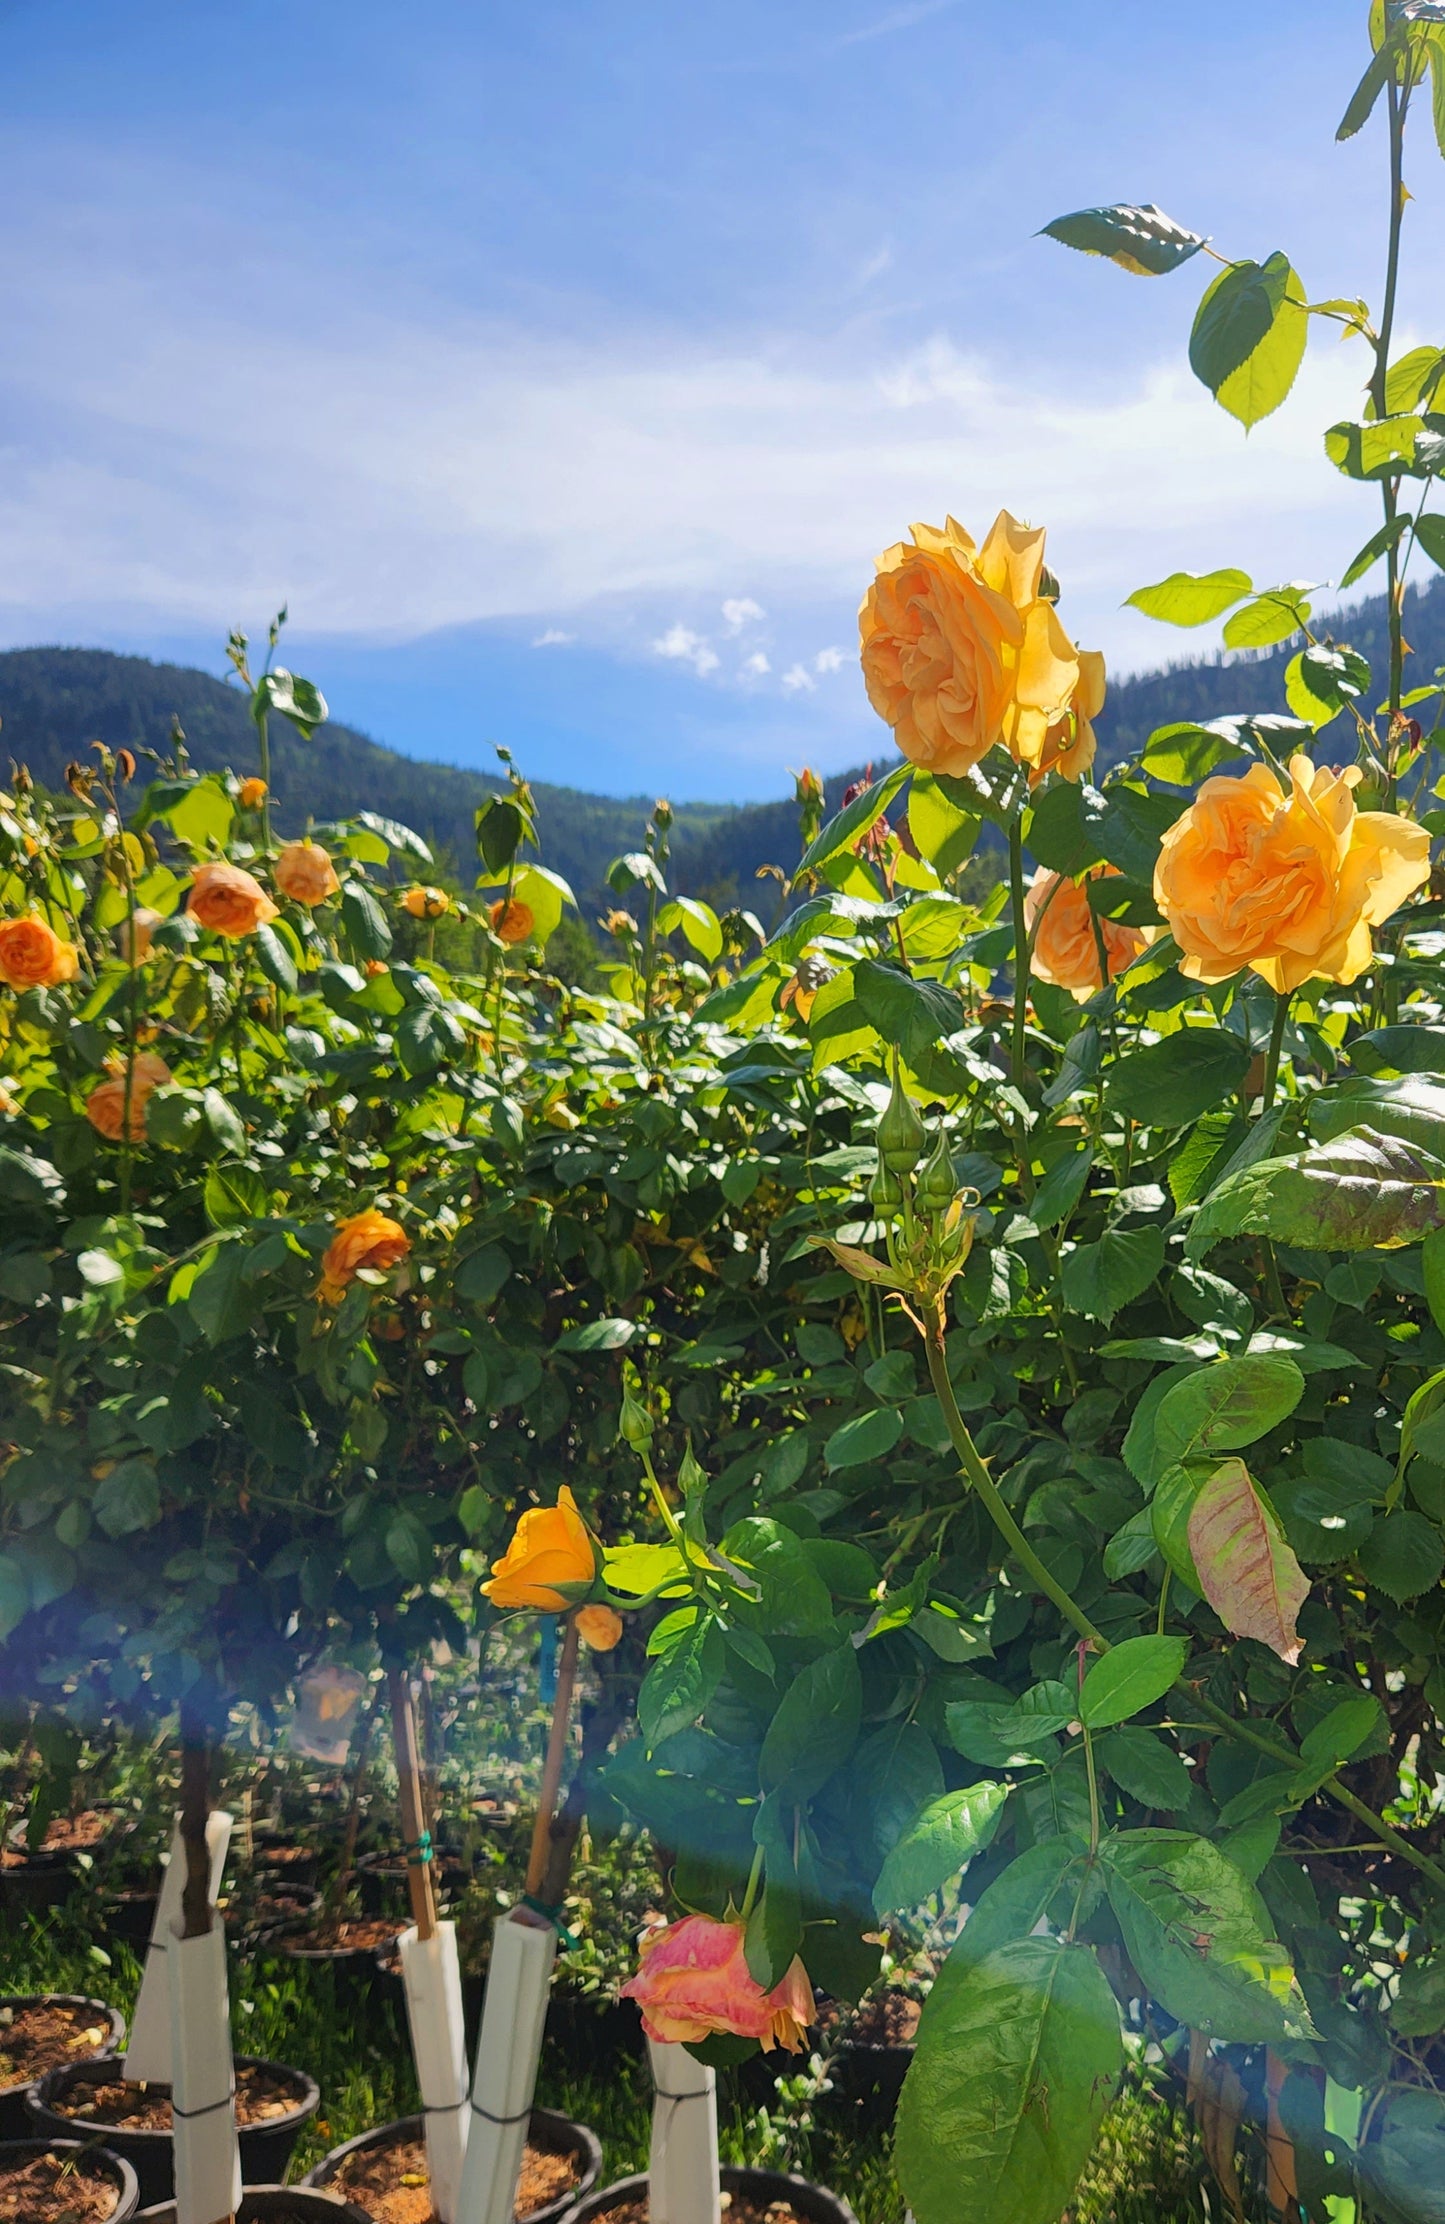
741	610
687	647
757	664
553	638
828	660
798	680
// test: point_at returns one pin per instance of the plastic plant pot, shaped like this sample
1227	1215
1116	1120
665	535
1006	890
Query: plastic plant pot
35	1883
99	2161
759	2188
276	2204
552	2133
14	2115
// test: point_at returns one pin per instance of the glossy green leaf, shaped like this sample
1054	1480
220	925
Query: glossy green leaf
1249	337
815	1727
868	1436
674	1692
1169	1083
1188	598
1200	1937
1186	753
940	1840
1402	1556
1355	1193
1099	1279
1145	1765
1014	2072
1141	240
1131	1676
1223	1407
1272	616
1378	545
851	823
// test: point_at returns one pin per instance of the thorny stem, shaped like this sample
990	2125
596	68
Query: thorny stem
1399	101
1276	1045
1017	1062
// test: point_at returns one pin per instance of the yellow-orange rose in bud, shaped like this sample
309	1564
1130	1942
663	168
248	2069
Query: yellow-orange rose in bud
105	1107
227	900
961	648
133	936
512	920
694	1981
550	1545
304	872
1070	745
1065	950
599	1627
369	1239
426	903
252	794
33	955
1284	879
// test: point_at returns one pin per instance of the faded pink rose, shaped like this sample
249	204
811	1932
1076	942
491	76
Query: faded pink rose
694	1981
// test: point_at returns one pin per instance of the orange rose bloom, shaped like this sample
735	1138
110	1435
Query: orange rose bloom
1287	882
694	1981
550	1545
32	954
105	1107
1070	744
426	903
512	922
304	872
368	1239
134	935
960	649
599	1627
1065	951
253	794
227	900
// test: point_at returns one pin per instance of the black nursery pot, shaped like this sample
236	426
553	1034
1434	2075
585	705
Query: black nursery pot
759	2187
129	1917
265	2148
276	2204
98	2160
381	1879
355	1968
14	2115
276	1856
555	2134
35	1884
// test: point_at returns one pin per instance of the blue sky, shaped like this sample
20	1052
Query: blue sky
564	368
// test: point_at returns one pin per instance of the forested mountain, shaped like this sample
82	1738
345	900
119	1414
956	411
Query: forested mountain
54	702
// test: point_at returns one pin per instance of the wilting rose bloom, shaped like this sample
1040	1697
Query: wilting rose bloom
252	794
1071	744
228	900
960	648
512	921
1287	881
133	935
105	1107
304	872
1065	950
550	1545
599	1627
426	903
694	1981
368	1239
32	954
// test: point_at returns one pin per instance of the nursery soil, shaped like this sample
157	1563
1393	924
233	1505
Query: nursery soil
735	2207
283	1857
68	1834
391	2183
889	2020
260	2098
344	1934
49	2189
34	2040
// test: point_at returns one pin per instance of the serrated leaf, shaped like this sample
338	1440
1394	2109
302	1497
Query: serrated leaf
1271	617
1223	1407
851	823
1402	1556
673	1694
1146	1767
1141	240
1356	1193
1249	337
1200	1937
1099	1279
1131	1676
1375	547
940	1840
1169	1083
815	1727
1188	598
1246	1569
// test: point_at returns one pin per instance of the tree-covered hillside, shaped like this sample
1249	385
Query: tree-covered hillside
54	702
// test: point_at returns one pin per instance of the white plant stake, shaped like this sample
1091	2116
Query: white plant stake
148	2055
432	1977
203	2078
682	2166
514	2013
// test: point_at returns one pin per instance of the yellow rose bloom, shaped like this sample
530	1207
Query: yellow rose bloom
304	872
1066	951
32	954
252	794
426	903
599	1627
369	1239
1070	745
134	935
227	900
1287	881
105	1107
961	650
512	922
550	1545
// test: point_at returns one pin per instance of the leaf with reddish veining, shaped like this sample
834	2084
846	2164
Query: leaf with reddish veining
1249	1574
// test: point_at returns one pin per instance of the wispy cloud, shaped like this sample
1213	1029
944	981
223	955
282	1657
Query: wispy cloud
757	664
686	647
741	611
828	660
798	680
553	638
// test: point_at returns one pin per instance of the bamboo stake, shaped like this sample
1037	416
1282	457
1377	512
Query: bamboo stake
195	1812
413	1814
556	1756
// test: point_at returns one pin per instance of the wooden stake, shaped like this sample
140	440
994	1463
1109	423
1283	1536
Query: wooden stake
195	1813
413	1814
556	1755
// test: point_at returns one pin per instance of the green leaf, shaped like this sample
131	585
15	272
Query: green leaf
1200	1937
904	1010
943	828
1320	681
1246	1569
1061	1187
201	817
1225	1406
1384	448
1249	337
1418	2009
1146	1767
1347	1726
1375	547
598	1335
673	1694
1355	1193
699	925
1372	84
14	1596
275	959
223	1121
1063	827
294	698
1410	1106
1130	1677
1430	534
868	1436
851	823
1014	2072
1402	1556
775	1927
234	1196
1273	616
937	1844
1403	1048
815	1727
1186	753
1170	1083
365	923
128	1498
1099	1279
1189	598
1404	2175
1142	240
